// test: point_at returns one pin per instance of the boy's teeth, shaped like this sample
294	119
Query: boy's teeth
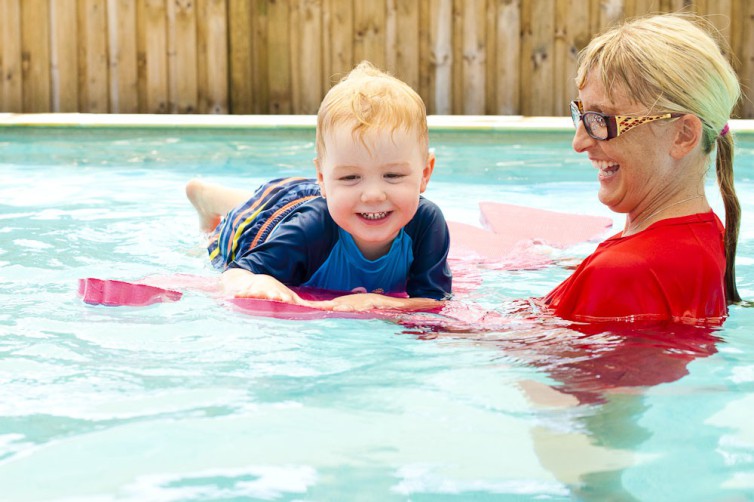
374	216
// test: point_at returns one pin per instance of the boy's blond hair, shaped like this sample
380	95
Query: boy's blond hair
368	99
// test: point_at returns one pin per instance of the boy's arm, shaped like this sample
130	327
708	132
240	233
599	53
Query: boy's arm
430	275
238	282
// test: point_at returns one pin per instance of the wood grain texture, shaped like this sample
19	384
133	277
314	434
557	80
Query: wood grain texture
281	56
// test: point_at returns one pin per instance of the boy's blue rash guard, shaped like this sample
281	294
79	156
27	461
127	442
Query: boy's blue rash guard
307	248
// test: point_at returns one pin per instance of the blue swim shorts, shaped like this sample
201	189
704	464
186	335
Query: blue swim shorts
251	223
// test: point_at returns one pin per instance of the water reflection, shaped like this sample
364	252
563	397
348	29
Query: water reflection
592	392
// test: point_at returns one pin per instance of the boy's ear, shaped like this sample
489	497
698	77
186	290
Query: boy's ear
427	171
320	180
688	135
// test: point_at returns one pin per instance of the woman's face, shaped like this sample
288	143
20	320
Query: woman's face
635	170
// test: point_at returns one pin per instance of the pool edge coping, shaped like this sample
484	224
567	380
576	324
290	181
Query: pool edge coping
436	122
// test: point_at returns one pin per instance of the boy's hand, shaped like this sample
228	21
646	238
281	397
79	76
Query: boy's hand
241	283
368	301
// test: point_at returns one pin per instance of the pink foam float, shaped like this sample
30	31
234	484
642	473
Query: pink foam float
122	293
554	228
281	310
510	235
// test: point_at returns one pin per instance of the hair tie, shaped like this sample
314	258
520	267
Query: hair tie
725	130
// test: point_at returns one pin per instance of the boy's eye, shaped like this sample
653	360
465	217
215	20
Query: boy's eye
349	177
394	176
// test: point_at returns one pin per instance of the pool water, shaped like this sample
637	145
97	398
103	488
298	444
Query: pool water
191	400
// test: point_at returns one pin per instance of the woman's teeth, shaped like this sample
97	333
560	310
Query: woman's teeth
605	166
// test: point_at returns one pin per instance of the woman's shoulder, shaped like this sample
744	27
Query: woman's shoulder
673	244
704	222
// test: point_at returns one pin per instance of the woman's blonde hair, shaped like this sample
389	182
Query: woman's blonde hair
368	99
673	63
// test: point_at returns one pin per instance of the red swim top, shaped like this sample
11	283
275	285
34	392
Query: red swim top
674	270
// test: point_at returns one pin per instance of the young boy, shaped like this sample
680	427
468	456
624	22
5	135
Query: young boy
362	227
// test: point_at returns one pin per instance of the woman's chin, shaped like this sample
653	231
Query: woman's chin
609	200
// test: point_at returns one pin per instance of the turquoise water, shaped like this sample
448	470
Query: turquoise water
192	401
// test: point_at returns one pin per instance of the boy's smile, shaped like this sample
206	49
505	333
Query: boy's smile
372	183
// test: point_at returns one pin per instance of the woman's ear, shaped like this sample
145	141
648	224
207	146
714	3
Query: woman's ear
688	135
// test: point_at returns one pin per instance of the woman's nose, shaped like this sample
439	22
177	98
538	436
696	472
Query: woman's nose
582	140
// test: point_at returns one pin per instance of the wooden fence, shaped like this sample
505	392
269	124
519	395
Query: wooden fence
506	57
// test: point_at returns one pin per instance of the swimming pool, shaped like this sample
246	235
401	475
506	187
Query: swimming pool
194	401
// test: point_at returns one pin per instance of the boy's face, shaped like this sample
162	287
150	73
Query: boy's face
373	192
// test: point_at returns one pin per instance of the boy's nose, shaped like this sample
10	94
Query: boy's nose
373	193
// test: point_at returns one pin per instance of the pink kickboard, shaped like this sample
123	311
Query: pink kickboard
510	233
290	311
113	293
282	310
120	293
470	243
550	227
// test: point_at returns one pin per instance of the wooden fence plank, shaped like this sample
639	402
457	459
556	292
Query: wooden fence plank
141	56
121	22
260	84
93	74
611	11
745	51
182	59
636	8
537	55
279	70
212	57
369	32
306	52
338	40
672	5
737	38
440	56
490	48
474	57
456	60
426	76
718	13
64	71
152	48
563	67
508	59
403	40
391	35
241	58
11	95
571	35
295	54
35	56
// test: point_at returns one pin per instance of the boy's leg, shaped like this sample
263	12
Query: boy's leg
213	201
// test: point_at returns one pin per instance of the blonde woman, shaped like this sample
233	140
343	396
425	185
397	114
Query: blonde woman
655	96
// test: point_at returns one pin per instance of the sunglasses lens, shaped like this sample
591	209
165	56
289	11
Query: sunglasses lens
575	115
596	125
